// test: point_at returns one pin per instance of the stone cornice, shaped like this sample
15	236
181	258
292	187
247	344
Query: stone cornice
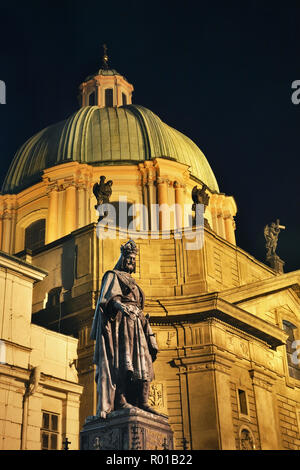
262	379
19	374
263	287
203	363
46	381
16	265
61	385
199	308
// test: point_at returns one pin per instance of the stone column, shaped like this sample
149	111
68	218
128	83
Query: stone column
145	200
220	223
214	218
152	215
150	196
13	229
229	229
265	409
70	207
51	231
146	218
81	204
1	229
117	91
179	201
92	214
98	94
9	223
7	230
162	192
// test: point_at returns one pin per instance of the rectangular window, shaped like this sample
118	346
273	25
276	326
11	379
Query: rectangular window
124	99
109	97
49	431
243	402
293	366
92	99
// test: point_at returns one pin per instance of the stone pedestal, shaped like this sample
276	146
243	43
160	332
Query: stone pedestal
205	222
128	429
198	217
276	263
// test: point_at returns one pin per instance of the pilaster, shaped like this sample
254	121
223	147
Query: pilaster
208	396
52	220
70	424
162	192
70	206
179	201
7	230
265	408
229	229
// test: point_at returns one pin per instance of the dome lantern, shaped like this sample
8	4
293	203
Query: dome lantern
107	88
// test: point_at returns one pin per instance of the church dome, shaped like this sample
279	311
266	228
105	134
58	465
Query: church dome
105	136
105	72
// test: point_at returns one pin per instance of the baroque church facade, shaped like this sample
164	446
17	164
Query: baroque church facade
226	374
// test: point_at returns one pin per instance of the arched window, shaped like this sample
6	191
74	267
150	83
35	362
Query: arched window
54	297
291	351
35	235
109	97
119	214
246	439
124	99
92	99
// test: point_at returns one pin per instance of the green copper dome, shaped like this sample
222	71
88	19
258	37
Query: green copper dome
105	136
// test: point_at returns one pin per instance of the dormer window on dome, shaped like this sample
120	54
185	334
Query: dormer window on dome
107	88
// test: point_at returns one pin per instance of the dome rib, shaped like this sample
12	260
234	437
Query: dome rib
96	135
164	138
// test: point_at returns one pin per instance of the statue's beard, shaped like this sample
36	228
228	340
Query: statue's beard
129	267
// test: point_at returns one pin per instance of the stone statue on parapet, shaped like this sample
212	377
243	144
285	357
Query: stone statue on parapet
102	191
125	344
200	196
271	233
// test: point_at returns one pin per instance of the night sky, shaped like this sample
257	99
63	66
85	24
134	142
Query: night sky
220	74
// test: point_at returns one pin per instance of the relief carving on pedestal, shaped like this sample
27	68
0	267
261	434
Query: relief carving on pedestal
107	440
156	395
137	437
246	439
157	441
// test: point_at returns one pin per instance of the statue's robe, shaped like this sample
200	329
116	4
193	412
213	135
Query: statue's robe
124	341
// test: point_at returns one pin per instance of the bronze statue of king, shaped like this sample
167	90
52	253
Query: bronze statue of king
125	346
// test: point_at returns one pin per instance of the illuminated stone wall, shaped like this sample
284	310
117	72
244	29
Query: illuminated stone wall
218	327
37	368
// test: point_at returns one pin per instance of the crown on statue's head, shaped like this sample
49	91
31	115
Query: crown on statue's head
128	248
